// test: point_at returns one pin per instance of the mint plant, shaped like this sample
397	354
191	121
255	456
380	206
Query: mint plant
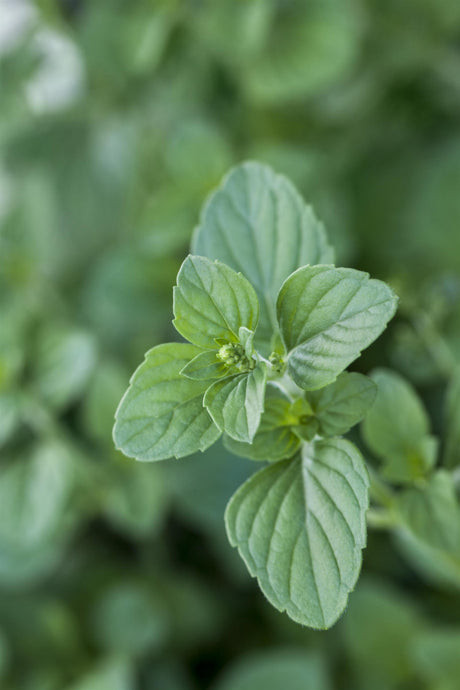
271	326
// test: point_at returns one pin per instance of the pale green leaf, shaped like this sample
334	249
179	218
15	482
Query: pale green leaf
161	414
432	513
380	652
396	429
212	302
300	526
274	439
309	48
205	367
34	496
342	404
128	619
136	498
236	404
64	361
114	674
327	317
258	224
436	655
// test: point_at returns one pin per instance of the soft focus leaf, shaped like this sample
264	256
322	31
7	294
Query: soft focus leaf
64	361
432	512
276	668
116	674
397	429
379	627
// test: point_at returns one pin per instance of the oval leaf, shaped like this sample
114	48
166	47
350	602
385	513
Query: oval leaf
258	224
212	302
236	403
342	404
161	414
397	429
300	526
327	317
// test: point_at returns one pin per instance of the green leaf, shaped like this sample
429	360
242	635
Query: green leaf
396	429
435	655
236	404
277	668
64	361
342	404
136	499
35	493
115	674
258	224
300	526
432	513
327	317
129	620
212	302
274	439
380	652
452	415
305	53
161	414
205	367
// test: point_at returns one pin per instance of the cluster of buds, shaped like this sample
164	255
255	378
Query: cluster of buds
277	362
233	355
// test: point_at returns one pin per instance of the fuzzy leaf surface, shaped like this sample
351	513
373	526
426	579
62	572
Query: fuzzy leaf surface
327	316
258	224
212	301
300	527
161	414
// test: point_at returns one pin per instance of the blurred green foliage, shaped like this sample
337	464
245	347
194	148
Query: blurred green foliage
116	120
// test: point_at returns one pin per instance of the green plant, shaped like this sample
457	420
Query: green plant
272	324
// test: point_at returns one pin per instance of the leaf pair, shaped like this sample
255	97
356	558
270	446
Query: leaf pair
331	411
183	396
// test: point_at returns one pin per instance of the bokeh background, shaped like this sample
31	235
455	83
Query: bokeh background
117	118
